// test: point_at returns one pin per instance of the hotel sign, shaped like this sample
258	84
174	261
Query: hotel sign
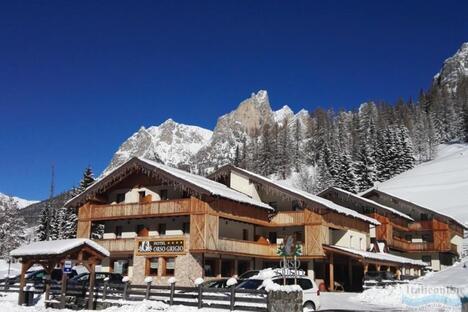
160	246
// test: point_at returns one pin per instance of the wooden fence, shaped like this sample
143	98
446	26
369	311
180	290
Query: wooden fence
104	295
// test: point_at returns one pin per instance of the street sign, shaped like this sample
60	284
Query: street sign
67	266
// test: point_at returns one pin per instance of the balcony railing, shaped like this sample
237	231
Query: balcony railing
405	245
283	218
118	245
247	247
118	211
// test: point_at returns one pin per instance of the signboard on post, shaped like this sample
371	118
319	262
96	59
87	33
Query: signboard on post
67	266
160	246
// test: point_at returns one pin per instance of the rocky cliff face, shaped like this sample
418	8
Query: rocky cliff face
170	143
200	149
453	71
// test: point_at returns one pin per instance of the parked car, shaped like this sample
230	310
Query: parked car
37	277
248	274
310	295
378	279
115	279
216	283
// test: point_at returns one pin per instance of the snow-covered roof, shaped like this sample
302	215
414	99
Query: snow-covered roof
213	187
439	185
381	256
371	202
199	183
308	197
56	247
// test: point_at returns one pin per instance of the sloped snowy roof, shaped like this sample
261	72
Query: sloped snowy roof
382	256
56	247
308	197
199	183
371	202
213	187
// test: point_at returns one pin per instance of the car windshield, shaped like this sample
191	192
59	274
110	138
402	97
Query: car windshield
250	284
248	274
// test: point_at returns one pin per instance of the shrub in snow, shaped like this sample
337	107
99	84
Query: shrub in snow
125	279
148	279
171	280
199	281
231	282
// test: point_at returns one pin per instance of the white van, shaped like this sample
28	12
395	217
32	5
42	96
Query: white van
310	294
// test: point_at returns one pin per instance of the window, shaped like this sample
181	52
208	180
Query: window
409	237
170	266
118	231
162	229
163	195
186	227
152	266
305	283
272	236
121	267
142	230
427	237
296	205
298	236
426	259
120	198
141	195
245	234
210	267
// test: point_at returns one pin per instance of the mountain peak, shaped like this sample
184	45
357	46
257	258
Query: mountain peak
453	69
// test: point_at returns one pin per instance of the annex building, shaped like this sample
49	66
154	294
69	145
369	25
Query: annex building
161	222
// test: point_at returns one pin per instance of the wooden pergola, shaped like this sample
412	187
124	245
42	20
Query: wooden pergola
53	254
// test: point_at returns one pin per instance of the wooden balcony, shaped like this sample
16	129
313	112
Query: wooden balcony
117	245
140	210
405	245
285	218
247	248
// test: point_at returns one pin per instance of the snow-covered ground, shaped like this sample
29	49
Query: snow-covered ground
440	184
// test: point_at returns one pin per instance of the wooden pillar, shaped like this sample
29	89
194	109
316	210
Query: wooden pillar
92	278
49	268
350	273
332	273
236	267
366	267
220	263
377	266
63	288
24	268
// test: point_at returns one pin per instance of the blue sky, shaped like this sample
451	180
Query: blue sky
78	77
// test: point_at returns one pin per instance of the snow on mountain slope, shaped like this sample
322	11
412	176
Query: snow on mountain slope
171	143
440	184
20	202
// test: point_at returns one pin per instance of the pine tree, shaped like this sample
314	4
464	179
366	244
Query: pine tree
297	155
284	151
12	227
237	157
87	180
345	178
45	216
365	170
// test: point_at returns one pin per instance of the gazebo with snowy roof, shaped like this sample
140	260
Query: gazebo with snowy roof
52	254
